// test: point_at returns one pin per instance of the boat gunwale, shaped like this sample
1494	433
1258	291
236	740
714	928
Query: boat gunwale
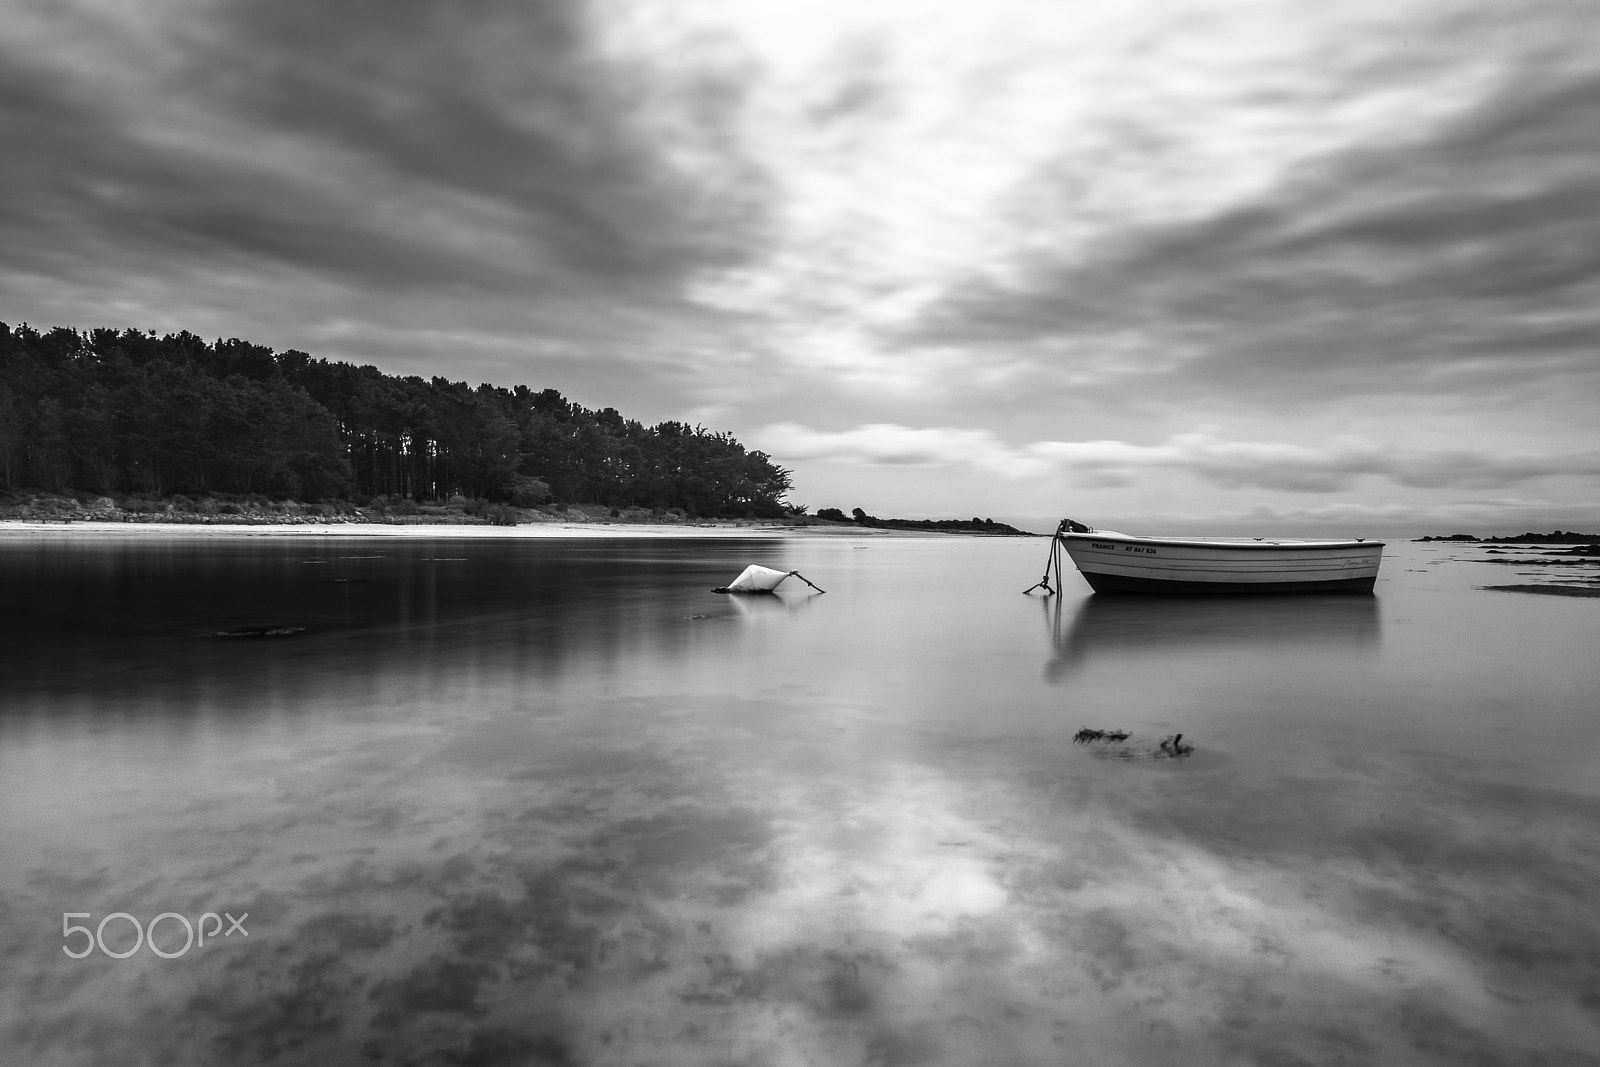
1227	545
1232	566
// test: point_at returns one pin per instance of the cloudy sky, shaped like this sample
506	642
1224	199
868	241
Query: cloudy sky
1173	267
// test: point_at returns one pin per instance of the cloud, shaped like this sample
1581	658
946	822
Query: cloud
987	221
1231	464
891	445
522	193
1452	249
1495	516
396	145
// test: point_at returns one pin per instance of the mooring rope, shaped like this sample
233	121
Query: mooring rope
1054	560
808	581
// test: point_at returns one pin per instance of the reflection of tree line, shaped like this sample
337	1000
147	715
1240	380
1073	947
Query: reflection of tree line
1101	627
141	620
127	412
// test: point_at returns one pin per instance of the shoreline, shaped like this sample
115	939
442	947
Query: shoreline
37	513
18	529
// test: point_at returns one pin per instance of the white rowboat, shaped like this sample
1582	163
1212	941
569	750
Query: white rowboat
1113	562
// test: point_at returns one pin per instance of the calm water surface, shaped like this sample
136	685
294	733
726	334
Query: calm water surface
552	802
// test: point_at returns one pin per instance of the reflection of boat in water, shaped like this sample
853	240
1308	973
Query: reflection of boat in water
1114	562
1133	628
751	608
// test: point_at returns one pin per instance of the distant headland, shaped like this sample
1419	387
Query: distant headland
974	525
1555	537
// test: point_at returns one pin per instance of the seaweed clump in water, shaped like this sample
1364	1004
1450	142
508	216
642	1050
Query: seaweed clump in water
1172	747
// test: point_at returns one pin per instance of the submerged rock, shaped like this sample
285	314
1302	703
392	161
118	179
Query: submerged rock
1548	590
1173	747
1088	736
259	631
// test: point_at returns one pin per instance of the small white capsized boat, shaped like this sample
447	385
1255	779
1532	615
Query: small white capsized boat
1113	562
758	579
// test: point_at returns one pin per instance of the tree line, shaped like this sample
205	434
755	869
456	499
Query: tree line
129	412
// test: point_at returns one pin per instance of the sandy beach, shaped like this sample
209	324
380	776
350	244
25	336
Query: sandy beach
167	530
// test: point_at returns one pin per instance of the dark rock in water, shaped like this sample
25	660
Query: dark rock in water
1548	590
1555	537
1174	746
1086	736
259	631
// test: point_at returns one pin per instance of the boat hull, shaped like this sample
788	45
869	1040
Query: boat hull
1120	583
1122	563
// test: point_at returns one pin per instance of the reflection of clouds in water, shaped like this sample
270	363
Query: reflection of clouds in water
740	857
670	895
956	886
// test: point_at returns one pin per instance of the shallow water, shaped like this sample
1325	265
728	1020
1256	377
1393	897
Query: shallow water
551	801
